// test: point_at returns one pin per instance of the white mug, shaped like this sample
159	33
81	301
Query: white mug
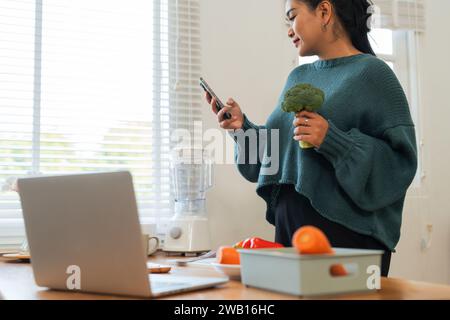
149	238
150	243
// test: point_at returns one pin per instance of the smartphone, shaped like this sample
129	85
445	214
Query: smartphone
219	104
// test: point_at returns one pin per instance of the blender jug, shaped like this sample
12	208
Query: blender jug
191	172
191	177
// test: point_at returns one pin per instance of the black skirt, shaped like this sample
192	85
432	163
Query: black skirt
293	210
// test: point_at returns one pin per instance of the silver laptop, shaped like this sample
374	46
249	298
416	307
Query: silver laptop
84	235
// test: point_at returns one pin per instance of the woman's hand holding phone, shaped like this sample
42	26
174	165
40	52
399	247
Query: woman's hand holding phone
232	107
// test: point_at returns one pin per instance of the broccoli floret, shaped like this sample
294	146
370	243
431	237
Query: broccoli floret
303	97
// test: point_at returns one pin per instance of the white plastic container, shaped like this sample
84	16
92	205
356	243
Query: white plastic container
284	270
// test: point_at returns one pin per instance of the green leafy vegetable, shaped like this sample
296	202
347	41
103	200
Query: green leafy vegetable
303	97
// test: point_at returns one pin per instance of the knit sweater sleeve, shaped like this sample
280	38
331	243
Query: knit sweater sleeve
252	140
246	150
376	161
375	173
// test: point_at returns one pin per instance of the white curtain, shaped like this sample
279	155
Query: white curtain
95	85
399	14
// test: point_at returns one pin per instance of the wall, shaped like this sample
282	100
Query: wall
430	205
247	56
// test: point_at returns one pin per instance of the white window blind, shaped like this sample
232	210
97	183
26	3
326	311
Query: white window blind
95	85
400	14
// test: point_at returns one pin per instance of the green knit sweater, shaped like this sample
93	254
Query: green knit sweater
360	174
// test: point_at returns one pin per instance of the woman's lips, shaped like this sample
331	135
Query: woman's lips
296	42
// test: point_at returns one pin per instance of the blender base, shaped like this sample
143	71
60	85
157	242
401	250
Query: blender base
188	235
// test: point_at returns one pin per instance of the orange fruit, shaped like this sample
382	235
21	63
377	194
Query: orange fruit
228	255
311	240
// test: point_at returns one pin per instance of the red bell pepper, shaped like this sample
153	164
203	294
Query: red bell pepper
257	243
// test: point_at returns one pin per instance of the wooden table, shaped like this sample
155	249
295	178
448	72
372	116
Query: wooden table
16	282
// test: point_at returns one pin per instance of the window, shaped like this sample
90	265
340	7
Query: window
95	85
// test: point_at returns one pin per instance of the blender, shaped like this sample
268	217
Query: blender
191	176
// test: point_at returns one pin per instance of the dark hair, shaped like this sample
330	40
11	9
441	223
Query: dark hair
353	15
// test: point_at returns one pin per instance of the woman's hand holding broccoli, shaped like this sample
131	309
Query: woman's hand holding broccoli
310	127
237	118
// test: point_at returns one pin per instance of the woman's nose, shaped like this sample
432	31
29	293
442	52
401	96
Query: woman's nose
291	32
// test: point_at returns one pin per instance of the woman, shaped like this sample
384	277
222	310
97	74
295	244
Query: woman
352	184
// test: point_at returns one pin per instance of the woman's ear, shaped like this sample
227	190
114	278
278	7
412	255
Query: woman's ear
325	11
